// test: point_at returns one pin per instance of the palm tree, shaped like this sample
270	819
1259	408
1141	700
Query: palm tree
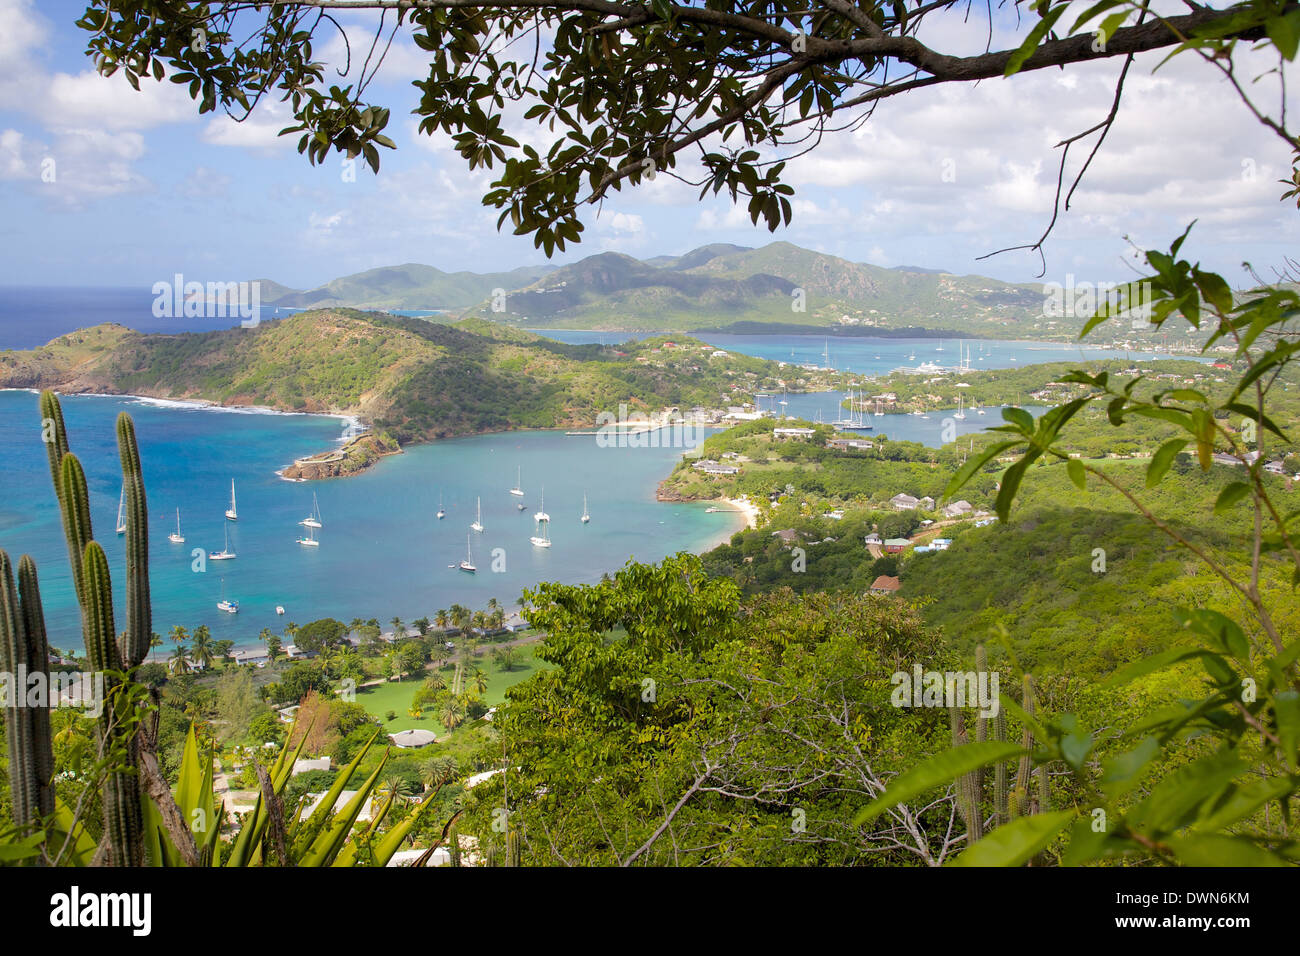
498	618
399	629
180	660
179	634
437	771
290	630
480	620
480	681
507	658
435	682
201	648
441	618
453	713
460	617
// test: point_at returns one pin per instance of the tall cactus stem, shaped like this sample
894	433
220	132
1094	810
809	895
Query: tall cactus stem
139	615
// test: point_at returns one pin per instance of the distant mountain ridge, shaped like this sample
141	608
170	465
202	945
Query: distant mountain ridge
713	286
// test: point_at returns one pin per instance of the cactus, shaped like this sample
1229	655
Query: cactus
514	853
24	650
453	848
1024	802
123	811
1000	812
968	797
981	722
1008	802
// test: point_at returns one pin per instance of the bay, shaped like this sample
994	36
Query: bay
383	551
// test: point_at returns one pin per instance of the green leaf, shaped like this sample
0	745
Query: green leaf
1121	773
1286	708
1027	48
1172	802
1242	801
1020	418
1226	633
938	770
1163	459
975	464
1155	662
1232	492
1214	850
1074	468
1013	843
1284	31
1011	479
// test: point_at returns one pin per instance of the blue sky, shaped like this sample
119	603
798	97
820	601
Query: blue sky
144	187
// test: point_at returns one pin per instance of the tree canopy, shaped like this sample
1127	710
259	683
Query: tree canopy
625	91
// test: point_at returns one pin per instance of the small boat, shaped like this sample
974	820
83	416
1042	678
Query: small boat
176	537
230	607
441	514
468	563
521	506
541	514
121	512
517	491
279	609
231	513
310	541
478	522
225	554
313	519
586	515
542	539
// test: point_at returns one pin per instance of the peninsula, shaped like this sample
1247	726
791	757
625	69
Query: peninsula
404	379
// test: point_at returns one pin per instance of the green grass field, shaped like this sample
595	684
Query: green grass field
397	695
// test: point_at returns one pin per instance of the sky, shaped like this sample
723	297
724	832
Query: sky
143	187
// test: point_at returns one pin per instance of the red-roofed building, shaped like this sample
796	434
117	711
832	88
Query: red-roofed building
885	585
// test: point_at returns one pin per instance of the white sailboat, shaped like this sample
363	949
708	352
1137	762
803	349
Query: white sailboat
310	541
468	563
961	411
313	519
541	509
478	522
225	554
441	514
230	607
517	490
586	515
231	513
541	539
176	537
121	512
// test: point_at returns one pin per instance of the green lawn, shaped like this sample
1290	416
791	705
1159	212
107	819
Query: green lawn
397	695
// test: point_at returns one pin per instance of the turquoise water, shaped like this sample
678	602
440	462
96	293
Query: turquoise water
868	355
383	552
927	429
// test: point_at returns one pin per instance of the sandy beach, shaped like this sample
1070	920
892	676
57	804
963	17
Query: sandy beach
747	508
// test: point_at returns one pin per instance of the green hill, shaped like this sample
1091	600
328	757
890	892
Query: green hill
414	379
408	286
719	285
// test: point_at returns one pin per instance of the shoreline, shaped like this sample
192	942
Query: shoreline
746	508
199	404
